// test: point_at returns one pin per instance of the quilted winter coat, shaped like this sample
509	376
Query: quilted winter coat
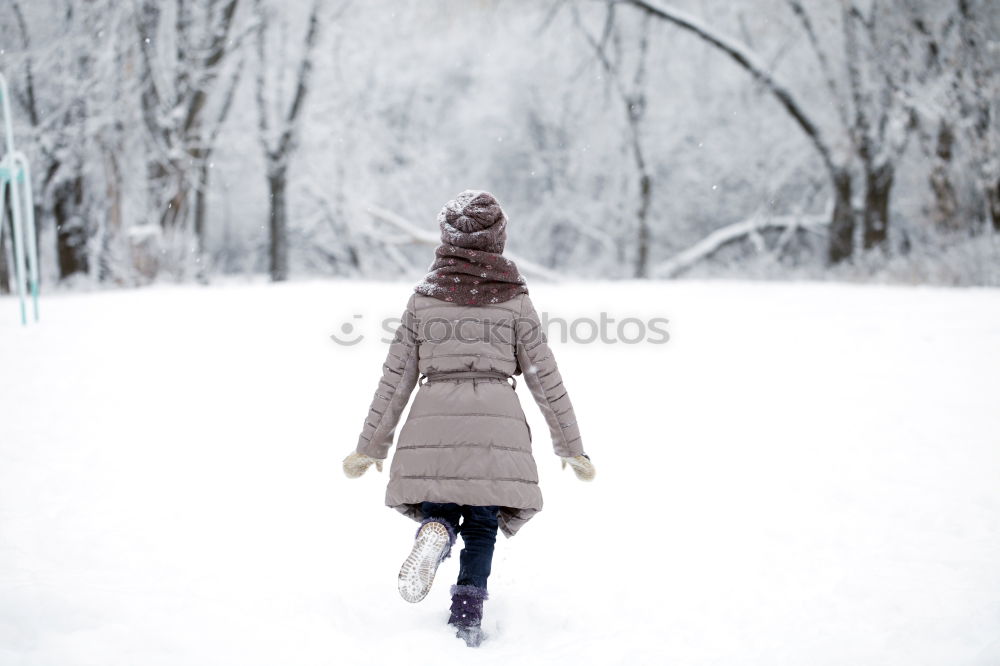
465	439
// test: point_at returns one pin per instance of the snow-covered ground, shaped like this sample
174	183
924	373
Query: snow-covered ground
803	475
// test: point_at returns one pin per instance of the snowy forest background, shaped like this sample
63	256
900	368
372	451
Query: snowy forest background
184	140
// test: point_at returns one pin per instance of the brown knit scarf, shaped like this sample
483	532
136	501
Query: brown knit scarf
469	267
471	277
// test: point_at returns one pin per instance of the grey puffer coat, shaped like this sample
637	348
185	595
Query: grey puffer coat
465	439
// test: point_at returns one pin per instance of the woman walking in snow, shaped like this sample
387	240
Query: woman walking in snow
464	453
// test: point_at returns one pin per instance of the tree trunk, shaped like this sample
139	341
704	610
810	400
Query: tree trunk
106	269
634	110
71	228
878	187
200	212
278	228
993	202
6	229
278	156
642	259
172	216
841	243
945	199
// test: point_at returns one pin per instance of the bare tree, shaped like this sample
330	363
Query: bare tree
882	118
62	183
930	63
630	89
978	93
177	80
72	120
279	136
842	223
877	133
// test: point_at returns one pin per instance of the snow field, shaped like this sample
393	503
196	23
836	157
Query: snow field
804	474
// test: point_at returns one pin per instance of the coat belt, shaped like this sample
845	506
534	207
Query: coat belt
461	375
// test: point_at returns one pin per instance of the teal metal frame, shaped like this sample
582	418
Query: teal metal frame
15	186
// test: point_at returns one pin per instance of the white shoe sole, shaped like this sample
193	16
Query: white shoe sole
417	573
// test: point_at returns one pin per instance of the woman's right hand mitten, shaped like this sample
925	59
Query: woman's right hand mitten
582	467
357	464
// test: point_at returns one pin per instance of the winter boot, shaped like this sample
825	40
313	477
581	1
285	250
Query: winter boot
430	547
467	613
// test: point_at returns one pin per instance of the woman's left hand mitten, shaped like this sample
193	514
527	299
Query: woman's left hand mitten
357	464
582	467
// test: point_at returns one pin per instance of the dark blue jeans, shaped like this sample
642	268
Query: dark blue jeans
479	533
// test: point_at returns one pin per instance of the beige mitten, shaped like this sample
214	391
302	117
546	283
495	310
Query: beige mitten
357	464
582	466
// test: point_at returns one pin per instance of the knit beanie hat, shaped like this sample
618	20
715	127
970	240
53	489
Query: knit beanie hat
475	221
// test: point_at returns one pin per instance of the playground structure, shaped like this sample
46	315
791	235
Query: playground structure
15	190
